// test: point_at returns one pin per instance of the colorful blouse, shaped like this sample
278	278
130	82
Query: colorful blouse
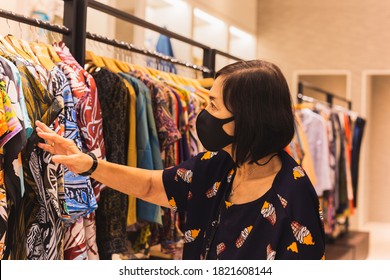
284	223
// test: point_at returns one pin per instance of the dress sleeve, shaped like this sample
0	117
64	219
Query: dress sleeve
306	222
304	236
178	181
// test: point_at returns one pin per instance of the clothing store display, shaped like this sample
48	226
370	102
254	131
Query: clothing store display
145	115
105	110
330	133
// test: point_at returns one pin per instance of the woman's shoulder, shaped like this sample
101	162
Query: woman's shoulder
293	182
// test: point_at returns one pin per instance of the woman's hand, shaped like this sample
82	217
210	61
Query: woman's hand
64	150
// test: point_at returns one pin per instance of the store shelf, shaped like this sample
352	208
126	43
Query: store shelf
351	246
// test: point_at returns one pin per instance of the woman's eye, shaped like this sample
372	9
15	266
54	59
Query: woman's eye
213	106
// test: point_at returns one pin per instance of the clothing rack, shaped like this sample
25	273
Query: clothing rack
75	15
75	34
149	53
35	22
329	95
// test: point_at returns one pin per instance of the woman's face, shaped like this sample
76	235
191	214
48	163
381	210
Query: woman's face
217	108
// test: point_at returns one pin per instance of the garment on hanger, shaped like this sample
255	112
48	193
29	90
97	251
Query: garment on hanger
357	138
316	133
111	216
339	200
10	126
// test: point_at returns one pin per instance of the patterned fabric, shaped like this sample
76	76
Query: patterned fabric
9	128
13	161
10	74
87	106
11	125
166	128
193	108
80	199
90	122
38	223
111	215
284	223
3	201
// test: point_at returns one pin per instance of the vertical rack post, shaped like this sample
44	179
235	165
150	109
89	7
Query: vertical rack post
209	56
329	99
300	92
75	16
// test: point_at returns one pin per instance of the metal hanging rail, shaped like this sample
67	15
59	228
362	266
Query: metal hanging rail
227	55
35	22
149	53
75	15
329	95
140	22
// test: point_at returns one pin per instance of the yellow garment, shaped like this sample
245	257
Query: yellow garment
43	56
132	151
206	82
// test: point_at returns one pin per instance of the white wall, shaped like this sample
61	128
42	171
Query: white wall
242	13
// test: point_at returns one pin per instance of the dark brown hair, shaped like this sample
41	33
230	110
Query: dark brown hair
257	94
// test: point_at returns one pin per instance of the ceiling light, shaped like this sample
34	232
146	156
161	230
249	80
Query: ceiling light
239	33
206	17
175	2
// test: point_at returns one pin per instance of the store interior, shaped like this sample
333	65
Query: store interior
333	52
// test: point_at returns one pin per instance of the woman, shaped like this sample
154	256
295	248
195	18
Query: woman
245	198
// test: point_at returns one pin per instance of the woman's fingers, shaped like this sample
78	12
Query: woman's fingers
66	160
47	136
47	147
55	144
43	127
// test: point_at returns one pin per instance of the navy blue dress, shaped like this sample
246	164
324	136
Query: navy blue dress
284	223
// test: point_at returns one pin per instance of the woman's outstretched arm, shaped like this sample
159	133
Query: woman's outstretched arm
141	183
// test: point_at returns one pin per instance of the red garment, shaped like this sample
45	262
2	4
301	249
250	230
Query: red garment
89	114
80	238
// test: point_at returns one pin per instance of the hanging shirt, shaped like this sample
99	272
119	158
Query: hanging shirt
79	197
166	129
39	215
14	88
12	162
36	165
314	127
111	216
3	198
148	156
87	106
195	145
80	244
284	223
9	128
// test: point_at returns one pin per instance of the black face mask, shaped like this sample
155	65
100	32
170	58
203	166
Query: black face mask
210	131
